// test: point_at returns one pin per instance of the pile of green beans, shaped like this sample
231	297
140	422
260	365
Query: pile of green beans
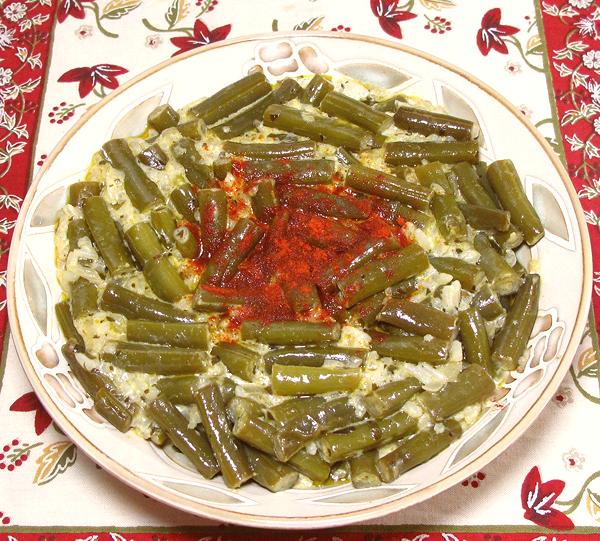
206	191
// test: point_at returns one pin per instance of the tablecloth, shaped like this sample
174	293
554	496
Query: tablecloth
59	57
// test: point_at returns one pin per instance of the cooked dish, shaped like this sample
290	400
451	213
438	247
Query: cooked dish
300	284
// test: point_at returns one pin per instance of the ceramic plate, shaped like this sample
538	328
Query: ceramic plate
563	260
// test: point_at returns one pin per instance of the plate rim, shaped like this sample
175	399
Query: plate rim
334	519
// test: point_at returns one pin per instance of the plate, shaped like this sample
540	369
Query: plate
563	260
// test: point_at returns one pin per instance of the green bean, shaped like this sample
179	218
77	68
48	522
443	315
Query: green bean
485	218
232	98
417	449
143	242
84	298
345	157
264	201
500	274
270	473
396	426
405	288
305	380
193	129
229	453
289	333
76	230
363	472
301	297
318	128
326	204
389	398
475	339
80	191
106	236
185	335
450	221
239	360
387	186
314	356
184	200
412	349
470	276
509	240
506	184
135	306
419	319
353	111
511	341
178	389
164	224
153	157
375	276
472	385
390	105
338	446
468	183
430	174
212	209
232	251
292	171
197	173
239	406
487	303
66	324
113	410
164	280
396	213
212	299
186	242
298	150
90	381
424	122
481	170
322	232
152	359
247	119
193	444
163	117
294	406
365	312
221	166
316	89
404	153
143	193
228	389
261	435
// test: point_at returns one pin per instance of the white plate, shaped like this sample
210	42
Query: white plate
563	258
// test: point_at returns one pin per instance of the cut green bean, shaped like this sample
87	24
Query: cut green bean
353	111
396	213
193	129
316	89
184	200
164	280
474	338
301	297
213	299
113	410
143	193
270	473
66	324
292	171
472	385
307	380
506	184
239	360
470	276
77	230
326	204
197	173
387	186
232	98
511	341
412	349
163	117
221	167
295	406
132	305
186	242
365	312
229	453
500	274
288	333
318	128
143	242
178	389
106	236
80	191
338	446
264	201
212	210
404	153
419	319
487	303
390	105
431	174
345	157
314	356
450	221
84	298
193	444
424	122
164	224
405	289
376	276
299	150
389	398
485	218
185	335
469	185
153	157
363	471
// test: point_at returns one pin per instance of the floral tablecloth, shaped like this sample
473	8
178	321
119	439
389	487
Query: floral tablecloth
59	57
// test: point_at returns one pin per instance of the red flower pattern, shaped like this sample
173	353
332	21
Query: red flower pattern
537	499
103	74
490	35
202	36
390	16
71	8
30	402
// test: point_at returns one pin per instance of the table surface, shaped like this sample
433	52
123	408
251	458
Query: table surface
543	56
